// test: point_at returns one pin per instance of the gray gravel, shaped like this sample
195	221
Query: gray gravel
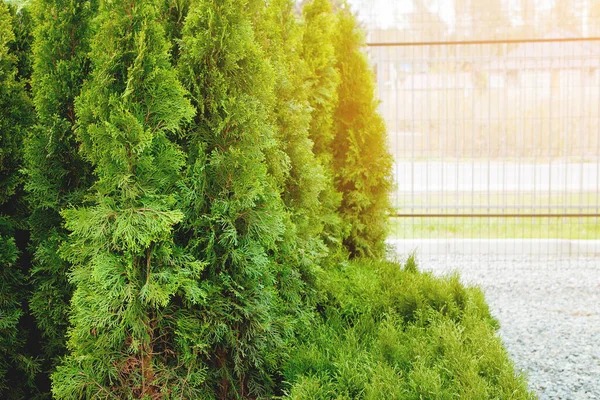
549	311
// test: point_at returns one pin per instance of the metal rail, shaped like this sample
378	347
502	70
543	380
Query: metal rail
495	207
512	215
469	42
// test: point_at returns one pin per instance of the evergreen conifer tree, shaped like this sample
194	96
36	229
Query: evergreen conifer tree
319	54
292	164
323	79
15	117
281	36
361	160
132	284
57	175
235	218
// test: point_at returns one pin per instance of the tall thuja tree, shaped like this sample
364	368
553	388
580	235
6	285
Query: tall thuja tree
130	279
280	33
235	218
15	117
57	175
362	162
292	163
323	79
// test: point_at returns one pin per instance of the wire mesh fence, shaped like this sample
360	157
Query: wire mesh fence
495	133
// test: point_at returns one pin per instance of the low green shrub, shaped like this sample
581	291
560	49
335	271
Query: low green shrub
387	331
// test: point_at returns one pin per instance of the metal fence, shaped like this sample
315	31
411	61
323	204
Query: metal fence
496	143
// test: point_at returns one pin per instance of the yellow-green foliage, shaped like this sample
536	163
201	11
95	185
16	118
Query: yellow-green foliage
299	174
57	175
322	80
15	119
280	33
361	160
388	332
129	276
234	216
198	174
319	54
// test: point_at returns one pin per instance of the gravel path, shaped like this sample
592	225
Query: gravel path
549	313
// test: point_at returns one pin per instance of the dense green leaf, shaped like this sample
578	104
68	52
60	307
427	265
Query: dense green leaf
362	162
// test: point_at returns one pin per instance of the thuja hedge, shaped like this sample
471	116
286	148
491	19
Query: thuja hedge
387	331
184	186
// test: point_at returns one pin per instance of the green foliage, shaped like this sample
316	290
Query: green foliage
15	118
57	175
361	160
17	367
17	3
129	277
394	333
348	133
322	81
21	45
173	14
303	181
411	262
190	224
16	113
319	54
235	218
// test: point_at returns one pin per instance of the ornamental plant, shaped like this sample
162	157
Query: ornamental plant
322	80
58	176
178	204
235	219
131	280
15	118
280	33
361	160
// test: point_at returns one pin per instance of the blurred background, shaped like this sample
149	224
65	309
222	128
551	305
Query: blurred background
493	115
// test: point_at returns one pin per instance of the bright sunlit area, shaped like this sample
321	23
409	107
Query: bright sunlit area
299	199
492	111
